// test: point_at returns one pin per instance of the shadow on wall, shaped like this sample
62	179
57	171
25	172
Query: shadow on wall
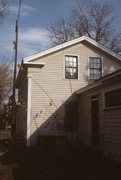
61	123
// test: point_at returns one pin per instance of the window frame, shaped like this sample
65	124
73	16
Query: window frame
111	90
64	66
101	58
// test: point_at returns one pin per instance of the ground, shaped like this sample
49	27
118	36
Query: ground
44	162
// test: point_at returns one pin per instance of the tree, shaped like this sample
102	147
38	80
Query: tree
95	20
60	31
5	81
4	9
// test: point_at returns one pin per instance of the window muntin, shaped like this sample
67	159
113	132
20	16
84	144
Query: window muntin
71	67
113	98
95	65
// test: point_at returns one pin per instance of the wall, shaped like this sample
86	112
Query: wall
109	119
112	122
21	117
49	85
85	121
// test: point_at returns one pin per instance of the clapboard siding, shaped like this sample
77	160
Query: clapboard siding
46	115
50	78
21	118
85	115
109	118
113	132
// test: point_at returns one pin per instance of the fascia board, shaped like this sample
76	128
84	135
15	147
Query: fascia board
33	63
72	42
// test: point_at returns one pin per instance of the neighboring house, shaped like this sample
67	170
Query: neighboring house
100	121
47	82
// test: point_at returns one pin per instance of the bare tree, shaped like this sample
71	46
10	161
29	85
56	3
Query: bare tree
95	20
4	9
5	81
60	31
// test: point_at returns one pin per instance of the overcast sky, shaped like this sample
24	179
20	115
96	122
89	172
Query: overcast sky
35	17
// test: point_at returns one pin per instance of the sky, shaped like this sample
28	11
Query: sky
34	20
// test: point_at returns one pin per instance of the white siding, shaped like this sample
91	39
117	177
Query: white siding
50	79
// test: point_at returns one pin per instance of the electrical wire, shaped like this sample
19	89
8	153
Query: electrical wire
45	93
58	126
70	86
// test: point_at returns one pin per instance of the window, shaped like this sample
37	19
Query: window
113	98
95	66
71	67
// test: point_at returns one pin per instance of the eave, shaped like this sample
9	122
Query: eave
70	43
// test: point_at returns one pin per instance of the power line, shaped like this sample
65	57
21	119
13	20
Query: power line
58	126
45	93
70	86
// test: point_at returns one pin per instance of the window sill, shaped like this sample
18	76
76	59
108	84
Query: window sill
106	108
71	79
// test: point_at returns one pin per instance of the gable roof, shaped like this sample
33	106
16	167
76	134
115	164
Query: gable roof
70	43
98	82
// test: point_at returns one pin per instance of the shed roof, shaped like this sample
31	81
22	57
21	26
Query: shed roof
98	82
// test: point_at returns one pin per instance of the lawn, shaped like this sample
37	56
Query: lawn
45	163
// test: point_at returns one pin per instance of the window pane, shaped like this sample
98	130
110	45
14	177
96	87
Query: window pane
74	59
91	65
71	73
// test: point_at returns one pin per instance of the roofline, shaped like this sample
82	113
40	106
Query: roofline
88	87
69	43
33	63
25	64
99	81
53	49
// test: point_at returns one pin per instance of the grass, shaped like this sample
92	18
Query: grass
44	163
6	172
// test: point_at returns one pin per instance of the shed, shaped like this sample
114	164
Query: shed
100	115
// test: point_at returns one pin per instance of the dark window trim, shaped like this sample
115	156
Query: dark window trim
109	103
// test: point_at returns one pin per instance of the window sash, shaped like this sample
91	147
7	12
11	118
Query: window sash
113	98
95	65
71	67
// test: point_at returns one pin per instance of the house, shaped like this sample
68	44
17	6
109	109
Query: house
100	121
47	81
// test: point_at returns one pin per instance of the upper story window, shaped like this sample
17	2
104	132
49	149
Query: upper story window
71	67
113	98
95	65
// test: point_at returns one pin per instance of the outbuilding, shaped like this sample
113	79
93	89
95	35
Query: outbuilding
100	115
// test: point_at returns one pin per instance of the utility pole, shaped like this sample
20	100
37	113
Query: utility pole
13	124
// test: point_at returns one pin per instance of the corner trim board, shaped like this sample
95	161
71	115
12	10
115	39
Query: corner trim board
29	111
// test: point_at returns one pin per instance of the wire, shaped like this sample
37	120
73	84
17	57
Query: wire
58	126
45	93
70	86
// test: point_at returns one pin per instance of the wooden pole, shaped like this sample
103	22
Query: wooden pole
13	124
